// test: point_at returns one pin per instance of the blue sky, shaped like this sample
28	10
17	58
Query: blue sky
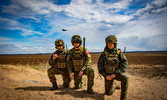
32	26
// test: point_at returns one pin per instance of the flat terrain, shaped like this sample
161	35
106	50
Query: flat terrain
24	77
145	58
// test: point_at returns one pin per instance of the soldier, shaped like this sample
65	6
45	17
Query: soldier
58	65
79	61
111	65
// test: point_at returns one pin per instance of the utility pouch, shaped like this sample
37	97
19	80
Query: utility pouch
61	62
77	64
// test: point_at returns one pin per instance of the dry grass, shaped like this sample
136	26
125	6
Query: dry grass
24	59
40	61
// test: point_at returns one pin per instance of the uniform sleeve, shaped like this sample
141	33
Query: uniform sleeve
69	62
87	59
101	65
51	61
123	64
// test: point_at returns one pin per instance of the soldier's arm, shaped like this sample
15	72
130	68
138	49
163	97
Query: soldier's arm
101	65
123	64
69	62
51	61
87	59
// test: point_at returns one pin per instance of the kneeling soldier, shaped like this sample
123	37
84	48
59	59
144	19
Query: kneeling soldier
79	61
58	65
111	64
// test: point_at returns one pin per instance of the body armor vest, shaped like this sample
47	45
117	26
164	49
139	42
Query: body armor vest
61	61
77	59
111	62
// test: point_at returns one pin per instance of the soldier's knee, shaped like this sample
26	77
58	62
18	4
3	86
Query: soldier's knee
126	78
91	70
125	81
49	70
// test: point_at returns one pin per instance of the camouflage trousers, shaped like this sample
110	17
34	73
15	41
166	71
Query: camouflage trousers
109	89
55	71
78	82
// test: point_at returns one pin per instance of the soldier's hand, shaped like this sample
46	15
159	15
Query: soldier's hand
108	77
55	56
80	73
71	76
112	76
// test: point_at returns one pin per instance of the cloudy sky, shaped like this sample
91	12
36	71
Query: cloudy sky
32	26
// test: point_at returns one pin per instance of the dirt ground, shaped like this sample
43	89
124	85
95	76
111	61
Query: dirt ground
18	82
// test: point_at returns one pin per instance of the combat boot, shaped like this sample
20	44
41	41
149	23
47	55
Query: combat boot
110	91
77	87
90	91
54	87
123	96
65	85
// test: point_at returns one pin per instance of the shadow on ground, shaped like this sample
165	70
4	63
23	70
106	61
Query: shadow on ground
80	93
76	93
34	88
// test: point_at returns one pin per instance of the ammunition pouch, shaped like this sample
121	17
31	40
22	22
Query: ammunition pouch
110	68
111	62
77	64
61	61
77	60
61	65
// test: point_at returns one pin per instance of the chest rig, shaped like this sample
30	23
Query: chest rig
78	59
61	60
111	61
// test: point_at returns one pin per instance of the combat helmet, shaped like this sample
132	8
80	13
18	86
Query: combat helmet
76	39
111	38
59	42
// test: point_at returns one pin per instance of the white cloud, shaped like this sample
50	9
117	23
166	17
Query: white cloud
144	33
158	42
98	11
82	9
159	3
31	7
154	7
9	22
5	39
27	32
95	21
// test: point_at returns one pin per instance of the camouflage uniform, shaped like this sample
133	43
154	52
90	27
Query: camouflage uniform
80	60
59	67
113	61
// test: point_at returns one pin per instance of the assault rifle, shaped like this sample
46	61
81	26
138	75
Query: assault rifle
66	50
84	44
84	56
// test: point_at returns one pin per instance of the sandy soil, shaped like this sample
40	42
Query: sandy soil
23	83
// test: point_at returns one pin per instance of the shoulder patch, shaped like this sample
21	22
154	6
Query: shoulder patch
87	52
